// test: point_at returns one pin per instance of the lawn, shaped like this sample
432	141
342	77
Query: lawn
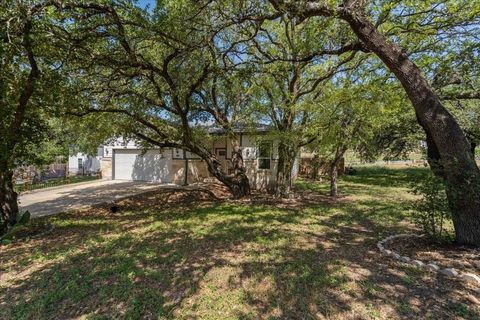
176	255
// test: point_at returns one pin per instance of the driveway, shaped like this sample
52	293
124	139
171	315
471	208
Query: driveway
59	199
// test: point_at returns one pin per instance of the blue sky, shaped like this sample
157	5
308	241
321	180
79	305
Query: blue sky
144	3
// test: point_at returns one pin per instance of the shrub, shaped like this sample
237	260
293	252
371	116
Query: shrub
431	211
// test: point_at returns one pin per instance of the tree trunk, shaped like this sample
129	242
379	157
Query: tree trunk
339	152
286	161
239	171
433	157
315	166
185	175
8	202
238	183
461	174
333	180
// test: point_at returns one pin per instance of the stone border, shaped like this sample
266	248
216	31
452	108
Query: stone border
450	272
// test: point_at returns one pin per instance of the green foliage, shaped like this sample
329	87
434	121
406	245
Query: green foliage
431	211
30	133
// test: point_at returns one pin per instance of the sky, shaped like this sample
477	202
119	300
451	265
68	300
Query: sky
144	3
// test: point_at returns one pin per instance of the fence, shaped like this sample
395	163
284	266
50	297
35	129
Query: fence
387	163
38	177
37	174
26	186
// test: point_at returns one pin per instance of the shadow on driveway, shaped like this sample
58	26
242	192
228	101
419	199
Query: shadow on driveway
55	200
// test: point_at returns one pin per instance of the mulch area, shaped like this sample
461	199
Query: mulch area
175	196
462	258
212	191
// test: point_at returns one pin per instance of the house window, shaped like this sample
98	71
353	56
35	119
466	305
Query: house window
80	163
178	153
221	152
264	154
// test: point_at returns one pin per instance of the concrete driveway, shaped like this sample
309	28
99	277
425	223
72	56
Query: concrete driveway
54	200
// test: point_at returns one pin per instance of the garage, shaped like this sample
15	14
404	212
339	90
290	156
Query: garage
134	165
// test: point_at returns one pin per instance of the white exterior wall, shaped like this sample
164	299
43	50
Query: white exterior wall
119	143
133	164
90	164
249	148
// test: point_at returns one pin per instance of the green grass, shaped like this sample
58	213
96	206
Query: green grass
229	260
54	183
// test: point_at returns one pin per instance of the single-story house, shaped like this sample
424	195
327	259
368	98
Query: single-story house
83	164
126	160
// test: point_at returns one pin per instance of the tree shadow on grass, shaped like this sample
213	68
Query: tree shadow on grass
220	260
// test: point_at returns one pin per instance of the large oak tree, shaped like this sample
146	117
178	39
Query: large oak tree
449	151
28	70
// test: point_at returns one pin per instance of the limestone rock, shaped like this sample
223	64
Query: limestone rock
451	272
470	277
432	267
418	263
472	299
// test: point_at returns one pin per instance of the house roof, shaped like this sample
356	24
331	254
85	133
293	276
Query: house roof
240	128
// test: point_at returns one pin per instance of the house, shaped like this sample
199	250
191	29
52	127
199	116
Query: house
126	160
83	164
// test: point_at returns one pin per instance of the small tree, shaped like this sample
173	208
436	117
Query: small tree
431	212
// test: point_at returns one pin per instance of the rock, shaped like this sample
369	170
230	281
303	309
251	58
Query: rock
379	246
470	277
432	267
472	299
388	252
451	272
418	263
405	259
396	255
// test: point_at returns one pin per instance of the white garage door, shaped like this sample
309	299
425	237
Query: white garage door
130	164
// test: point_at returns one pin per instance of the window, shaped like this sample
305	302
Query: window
177	153
264	154
80	163
221	152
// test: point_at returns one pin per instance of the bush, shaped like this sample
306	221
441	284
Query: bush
431	211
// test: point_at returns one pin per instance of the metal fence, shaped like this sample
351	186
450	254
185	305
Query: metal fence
38	177
53	183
